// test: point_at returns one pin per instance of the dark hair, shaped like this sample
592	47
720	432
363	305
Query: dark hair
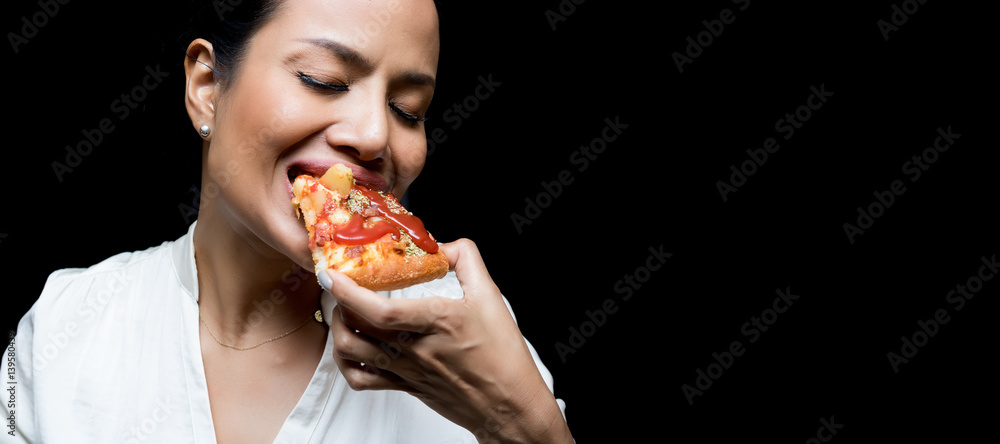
228	25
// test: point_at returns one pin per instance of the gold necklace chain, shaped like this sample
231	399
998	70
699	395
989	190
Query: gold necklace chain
318	316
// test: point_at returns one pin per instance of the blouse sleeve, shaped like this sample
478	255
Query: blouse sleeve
45	345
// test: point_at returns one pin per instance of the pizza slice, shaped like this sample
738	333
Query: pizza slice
365	234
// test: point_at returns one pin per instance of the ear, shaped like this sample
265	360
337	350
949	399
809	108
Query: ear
200	88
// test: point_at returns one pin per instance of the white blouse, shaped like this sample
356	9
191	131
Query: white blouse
111	353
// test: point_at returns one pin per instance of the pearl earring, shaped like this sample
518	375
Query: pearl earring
204	130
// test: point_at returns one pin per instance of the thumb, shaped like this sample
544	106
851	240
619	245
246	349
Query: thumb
463	257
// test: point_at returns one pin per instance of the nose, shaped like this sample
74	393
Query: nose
363	129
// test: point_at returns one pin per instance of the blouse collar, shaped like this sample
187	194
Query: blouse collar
183	261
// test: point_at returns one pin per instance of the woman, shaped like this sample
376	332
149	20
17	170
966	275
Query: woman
212	337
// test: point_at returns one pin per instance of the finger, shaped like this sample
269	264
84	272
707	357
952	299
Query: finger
349	344
414	315
361	376
352	349
464	257
363	326
392	345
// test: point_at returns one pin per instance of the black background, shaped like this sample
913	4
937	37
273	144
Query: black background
652	187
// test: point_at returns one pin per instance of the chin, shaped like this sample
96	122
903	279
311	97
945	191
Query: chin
289	239
300	258
306	263
299	253
283	230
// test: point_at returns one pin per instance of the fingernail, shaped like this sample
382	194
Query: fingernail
325	280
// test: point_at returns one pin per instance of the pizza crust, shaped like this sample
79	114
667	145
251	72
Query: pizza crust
382	265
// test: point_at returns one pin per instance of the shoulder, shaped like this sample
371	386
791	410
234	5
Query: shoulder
74	297
110	275
83	310
89	324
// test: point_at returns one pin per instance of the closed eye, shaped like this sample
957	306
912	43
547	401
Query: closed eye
410	118
313	83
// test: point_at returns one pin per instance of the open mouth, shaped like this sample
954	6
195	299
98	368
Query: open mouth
296	171
308	167
318	168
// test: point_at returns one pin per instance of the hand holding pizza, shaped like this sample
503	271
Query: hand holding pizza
465	358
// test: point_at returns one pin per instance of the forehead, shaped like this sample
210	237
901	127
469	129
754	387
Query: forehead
385	31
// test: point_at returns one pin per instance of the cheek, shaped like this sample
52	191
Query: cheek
409	159
263	126
253	130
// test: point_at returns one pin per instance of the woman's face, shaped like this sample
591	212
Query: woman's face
322	82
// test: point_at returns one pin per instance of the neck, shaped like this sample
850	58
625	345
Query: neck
247	291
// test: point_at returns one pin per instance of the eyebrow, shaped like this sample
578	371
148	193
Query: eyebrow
353	57
418	78
343	51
